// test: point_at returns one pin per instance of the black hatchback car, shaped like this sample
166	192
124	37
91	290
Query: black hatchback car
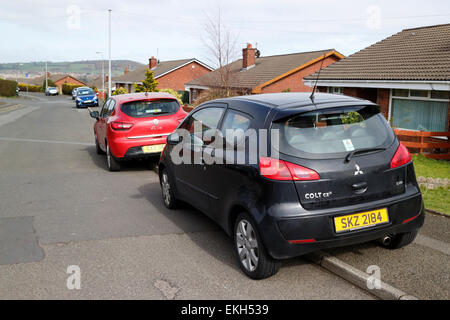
324	172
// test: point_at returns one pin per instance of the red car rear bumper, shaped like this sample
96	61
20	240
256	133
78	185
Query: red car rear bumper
132	148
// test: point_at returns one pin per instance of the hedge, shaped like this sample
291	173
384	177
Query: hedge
8	88
68	87
31	87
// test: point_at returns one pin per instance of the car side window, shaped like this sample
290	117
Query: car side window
105	109
203	121
237	123
111	107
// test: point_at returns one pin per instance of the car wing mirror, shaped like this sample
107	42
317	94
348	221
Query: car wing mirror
174	138
94	114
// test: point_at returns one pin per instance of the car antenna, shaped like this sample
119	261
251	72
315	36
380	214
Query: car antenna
317	79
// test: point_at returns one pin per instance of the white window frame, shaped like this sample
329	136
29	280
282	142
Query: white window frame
409	97
340	90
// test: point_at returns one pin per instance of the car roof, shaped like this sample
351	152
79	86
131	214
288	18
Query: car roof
288	100
122	98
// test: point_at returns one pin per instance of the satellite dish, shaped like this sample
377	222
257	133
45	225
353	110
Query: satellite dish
257	53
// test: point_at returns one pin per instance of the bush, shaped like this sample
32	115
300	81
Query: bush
212	94
31	87
120	90
8	88
68	87
176	94
184	96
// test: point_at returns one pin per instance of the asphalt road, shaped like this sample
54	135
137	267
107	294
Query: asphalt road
59	207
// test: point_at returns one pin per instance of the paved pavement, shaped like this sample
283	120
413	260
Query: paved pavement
61	207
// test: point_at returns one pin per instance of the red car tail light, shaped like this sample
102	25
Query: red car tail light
121	125
282	170
400	157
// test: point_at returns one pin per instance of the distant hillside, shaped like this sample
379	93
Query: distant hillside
86	68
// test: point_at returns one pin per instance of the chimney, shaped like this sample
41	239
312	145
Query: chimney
152	63
248	56
126	71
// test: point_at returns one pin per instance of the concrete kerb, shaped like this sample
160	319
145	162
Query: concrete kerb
357	277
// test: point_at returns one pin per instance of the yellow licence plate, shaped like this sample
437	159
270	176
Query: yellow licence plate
153	149
361	220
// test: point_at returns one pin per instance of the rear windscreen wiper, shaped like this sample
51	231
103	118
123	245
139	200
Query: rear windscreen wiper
162	112
351	154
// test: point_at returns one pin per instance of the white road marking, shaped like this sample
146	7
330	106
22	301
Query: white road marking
46	141
11	108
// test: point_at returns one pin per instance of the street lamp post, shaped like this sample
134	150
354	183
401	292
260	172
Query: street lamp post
109	52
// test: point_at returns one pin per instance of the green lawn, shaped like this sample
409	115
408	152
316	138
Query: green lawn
431	168
435	199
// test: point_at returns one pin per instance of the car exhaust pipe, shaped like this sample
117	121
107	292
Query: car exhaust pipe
386	240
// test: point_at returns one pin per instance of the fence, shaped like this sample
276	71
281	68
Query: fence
426	143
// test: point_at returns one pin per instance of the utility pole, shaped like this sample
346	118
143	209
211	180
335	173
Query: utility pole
103	74
46	75
109	52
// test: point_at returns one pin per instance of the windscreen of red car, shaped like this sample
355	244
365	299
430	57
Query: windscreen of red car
144	109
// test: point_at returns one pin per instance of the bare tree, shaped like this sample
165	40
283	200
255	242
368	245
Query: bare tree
222	47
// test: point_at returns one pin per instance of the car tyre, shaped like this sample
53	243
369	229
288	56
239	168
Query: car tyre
400	240
113	164
251	254
167	190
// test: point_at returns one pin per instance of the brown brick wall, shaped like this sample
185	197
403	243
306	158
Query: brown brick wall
176	79
294	82
383	96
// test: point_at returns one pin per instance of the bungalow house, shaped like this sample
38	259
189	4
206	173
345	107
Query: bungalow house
254	74
408	75
58	79
169	74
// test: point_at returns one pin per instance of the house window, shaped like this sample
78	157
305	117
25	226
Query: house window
420	110
336	90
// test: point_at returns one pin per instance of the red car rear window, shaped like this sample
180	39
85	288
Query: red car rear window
144	109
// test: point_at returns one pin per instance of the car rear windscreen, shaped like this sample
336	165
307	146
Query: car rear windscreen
333	132
142	109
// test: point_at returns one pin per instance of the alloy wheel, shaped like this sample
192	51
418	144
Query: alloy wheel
166	188
247	245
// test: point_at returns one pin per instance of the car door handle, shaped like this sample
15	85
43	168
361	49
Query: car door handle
360	187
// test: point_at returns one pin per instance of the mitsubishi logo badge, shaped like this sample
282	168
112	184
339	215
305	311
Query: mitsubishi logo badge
358	170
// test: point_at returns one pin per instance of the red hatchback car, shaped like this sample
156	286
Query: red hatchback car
135	125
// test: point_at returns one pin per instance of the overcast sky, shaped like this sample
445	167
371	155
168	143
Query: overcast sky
38	30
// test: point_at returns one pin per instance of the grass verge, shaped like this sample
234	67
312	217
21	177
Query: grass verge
437	199
431	168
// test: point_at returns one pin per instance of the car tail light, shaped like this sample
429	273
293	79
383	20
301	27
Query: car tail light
282	170
121	125
401	157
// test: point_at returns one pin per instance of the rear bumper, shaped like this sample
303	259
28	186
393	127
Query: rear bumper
124	148
315	231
